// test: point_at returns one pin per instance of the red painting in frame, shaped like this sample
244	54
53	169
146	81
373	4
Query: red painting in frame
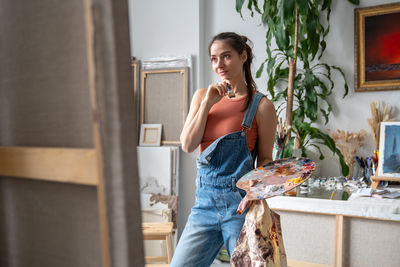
377	48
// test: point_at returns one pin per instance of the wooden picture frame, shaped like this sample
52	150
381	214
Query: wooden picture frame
164	96
389	150
389	154
376	48
150	135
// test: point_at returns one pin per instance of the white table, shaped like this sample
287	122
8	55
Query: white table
362	231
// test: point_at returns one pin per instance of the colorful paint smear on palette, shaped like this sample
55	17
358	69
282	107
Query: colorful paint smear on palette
276	178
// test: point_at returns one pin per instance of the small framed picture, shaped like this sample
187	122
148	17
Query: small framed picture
389	150
150	134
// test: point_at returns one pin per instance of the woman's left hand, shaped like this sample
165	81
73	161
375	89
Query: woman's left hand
244	205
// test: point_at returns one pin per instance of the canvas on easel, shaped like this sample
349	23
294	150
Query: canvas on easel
389	154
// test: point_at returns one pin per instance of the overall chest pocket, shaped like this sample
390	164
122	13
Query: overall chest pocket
226	155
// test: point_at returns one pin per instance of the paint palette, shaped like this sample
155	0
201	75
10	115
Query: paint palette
276	178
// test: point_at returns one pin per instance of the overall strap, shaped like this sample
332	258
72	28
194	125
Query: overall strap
251	111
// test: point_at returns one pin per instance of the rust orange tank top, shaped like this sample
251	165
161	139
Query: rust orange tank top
225	117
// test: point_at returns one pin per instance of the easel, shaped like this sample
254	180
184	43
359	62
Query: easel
376	179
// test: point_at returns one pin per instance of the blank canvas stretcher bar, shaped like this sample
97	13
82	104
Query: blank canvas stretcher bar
69	165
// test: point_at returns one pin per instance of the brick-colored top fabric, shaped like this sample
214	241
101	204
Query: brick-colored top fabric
226	117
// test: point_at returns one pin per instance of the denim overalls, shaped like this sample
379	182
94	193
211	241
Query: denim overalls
213	220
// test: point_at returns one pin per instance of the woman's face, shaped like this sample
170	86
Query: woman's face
226	61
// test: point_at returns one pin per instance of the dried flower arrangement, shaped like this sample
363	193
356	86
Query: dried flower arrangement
348	143
377	118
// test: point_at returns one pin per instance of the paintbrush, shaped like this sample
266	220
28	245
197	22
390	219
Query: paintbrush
231	93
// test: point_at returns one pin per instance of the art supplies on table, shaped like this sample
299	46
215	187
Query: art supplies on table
395	194
367	167
387	194
363	192
377	193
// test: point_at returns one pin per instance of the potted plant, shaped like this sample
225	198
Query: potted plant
296	75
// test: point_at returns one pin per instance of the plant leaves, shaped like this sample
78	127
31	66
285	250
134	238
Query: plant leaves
311	94
327	31
288	11
250	7
253	4
321	155
281	73
355	2
310	98
271	64
260	69
346	87
281	35
311	108
256	7
265	13
298	115
288	150
323	47
326	115
313	36
303	7
327	5
271	84
327	140
239	5
343	165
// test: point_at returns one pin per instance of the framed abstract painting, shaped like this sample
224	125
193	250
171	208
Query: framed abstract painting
376	48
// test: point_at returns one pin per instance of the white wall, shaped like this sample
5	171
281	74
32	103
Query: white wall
177	27
170	28
166	28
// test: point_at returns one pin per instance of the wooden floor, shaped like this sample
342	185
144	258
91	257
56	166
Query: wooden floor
291	263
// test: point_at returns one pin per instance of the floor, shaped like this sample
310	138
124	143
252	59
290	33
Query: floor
218	263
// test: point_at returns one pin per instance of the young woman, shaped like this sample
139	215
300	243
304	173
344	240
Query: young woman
231	133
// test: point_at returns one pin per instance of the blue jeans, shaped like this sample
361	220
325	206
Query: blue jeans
213	220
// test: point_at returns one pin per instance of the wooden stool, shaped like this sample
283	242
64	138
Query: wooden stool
159	231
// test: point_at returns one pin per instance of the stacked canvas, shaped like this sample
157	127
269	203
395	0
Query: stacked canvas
158	175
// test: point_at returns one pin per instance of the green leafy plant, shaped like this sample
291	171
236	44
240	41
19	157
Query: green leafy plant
297	27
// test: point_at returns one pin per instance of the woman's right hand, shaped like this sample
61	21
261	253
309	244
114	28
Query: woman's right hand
215	92
203	100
